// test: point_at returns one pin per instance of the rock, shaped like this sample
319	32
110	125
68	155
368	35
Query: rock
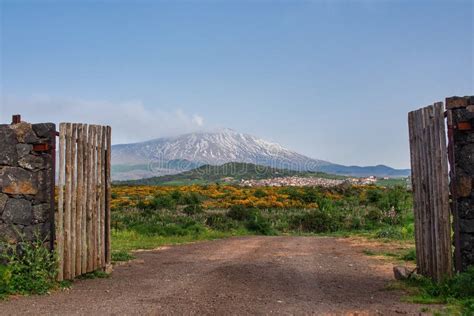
18	211
466	226
44	130
23	149
463	186
3	201
39	231
401	273
41	213
24	133
31	162
8	154
9	234
15	180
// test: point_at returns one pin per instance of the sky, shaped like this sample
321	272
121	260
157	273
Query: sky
333	80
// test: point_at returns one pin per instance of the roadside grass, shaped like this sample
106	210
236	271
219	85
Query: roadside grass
121	255
125	241
457	293
27	268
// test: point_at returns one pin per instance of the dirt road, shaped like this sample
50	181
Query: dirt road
248	275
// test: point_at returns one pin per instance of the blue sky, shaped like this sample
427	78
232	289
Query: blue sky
330	79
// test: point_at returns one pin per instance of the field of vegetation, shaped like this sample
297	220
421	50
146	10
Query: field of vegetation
148	216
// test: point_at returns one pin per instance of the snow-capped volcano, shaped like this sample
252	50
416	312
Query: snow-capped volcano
216	148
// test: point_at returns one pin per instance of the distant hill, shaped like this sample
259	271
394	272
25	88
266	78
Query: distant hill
173	155
226	173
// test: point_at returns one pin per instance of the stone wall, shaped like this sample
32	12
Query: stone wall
26	181
462	129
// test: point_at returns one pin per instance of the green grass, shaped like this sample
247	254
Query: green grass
127	240
98	274
30	268
122	255
457	293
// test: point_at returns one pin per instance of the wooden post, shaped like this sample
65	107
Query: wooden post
90	167
67	209
79	200
59	218
98	197
431	193
73	199
108	195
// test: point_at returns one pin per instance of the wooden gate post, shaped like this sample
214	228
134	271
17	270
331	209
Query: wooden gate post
430	191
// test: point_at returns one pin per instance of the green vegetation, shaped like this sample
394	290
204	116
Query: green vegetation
122	255
30	269
178	216
392	182
456	292
98	274
226	173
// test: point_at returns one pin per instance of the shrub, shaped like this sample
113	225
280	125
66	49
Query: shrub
5	279
260	225
318	221
241	213
221	222
163	202
32	268
192	209
374	215
259	193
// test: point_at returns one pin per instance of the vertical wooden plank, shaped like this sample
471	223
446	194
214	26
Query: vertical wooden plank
79	188
102	197
68	201
90	194
94	200
108	195
431	193
59	218
98	196
424	190
444	220
413	126
73	199
85	161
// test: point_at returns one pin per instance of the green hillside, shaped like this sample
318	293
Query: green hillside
226	173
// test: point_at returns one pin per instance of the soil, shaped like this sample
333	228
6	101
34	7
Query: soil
244	275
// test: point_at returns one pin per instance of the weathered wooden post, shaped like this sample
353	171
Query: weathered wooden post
429	168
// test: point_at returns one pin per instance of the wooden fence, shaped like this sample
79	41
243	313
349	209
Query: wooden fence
82	219
429	166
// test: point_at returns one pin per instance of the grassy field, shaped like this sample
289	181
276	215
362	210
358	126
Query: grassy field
150	216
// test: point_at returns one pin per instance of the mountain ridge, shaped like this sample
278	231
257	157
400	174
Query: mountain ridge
225	146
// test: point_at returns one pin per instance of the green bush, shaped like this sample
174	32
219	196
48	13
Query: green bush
31	268
192	209
163	202
5	279
241	213
221	222
259	193
260	225
317	221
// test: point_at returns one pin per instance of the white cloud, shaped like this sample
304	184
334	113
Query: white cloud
198	120
131	121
